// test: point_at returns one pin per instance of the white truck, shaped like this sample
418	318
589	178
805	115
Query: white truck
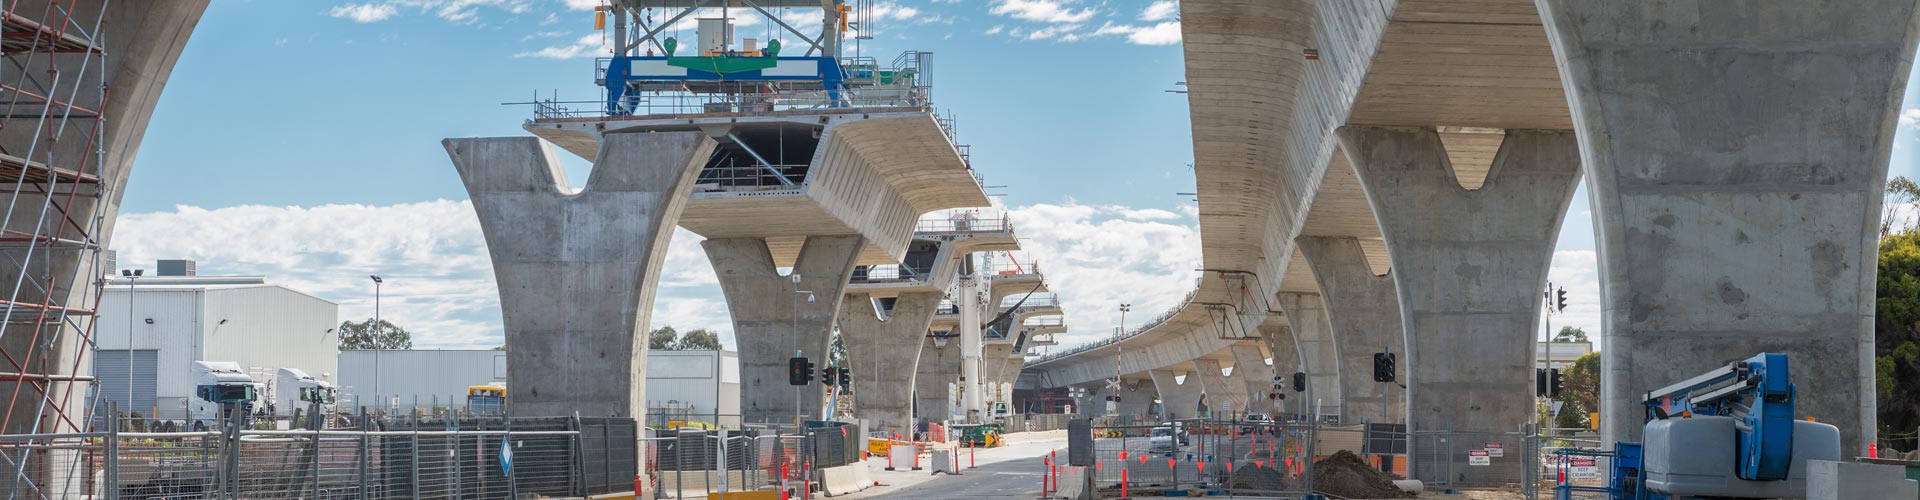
216	383
294	390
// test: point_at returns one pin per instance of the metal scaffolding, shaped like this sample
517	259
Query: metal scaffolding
53	84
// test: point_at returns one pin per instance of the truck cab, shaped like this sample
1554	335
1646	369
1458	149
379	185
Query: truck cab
295	390
487	399
217	384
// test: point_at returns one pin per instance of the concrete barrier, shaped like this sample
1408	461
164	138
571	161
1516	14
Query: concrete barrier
1075	484
862	474
842	480
1856	481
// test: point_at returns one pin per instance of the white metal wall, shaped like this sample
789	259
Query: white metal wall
266	327
403	376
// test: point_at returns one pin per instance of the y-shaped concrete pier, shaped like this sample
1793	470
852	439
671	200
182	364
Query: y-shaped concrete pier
1364	310
782	316
1736	153
886	354
576	269
1470	265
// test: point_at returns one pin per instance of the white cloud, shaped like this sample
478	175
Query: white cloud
1045	11
1160	11
439	279
1910	117
1166	33
583	4
996	29
364	13
592	44
1578	271
1097	257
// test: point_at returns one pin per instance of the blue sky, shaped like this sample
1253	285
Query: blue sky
301	140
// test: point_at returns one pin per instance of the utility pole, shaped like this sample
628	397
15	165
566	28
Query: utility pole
377	330
133	276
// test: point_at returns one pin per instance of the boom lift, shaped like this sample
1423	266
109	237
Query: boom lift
1726	434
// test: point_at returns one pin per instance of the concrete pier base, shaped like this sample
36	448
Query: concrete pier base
939	367
773	318
1319	354
576	269
1470	265
1364	310
1177	400
1736	154
885	355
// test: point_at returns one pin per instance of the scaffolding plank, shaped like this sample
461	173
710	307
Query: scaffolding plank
19	34
14	169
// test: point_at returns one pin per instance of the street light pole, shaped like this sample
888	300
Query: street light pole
1123	321
133	276
376	335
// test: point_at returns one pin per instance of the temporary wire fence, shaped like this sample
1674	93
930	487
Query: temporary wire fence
384	458
693	462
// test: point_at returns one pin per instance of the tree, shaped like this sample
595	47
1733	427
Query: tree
837	351
700	339
661	339
1571	334
364	335
1898	210
1581	384
1896	328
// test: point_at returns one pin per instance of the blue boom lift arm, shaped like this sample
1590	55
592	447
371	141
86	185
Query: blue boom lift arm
1757	394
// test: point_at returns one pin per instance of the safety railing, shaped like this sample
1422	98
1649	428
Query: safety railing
964	223
737	98
746	174
1034	301
1046	322
888	273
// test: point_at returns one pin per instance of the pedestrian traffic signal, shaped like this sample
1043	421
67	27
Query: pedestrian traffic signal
1540	382
799	371
1299	381
1383	366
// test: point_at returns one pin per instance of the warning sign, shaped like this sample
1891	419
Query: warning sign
1583	468
1495	450
1478	457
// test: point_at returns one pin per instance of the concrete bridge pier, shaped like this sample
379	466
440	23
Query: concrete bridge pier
1223	393
885	354
1364	310
1470	265
1286	361
576	269
1319	353
1177	399
774	317
1736	154
939	366
1250	366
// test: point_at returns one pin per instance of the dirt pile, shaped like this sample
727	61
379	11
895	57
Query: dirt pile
1345	474
1250	477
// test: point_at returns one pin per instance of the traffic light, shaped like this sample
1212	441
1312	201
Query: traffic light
1383	367
846	378
1299	381
799	371
1540	382
1555	383
1560	301
828	375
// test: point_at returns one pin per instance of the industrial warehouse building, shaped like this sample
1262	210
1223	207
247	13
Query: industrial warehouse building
177	318
681	384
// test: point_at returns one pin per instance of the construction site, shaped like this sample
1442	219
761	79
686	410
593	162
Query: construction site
1379	188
